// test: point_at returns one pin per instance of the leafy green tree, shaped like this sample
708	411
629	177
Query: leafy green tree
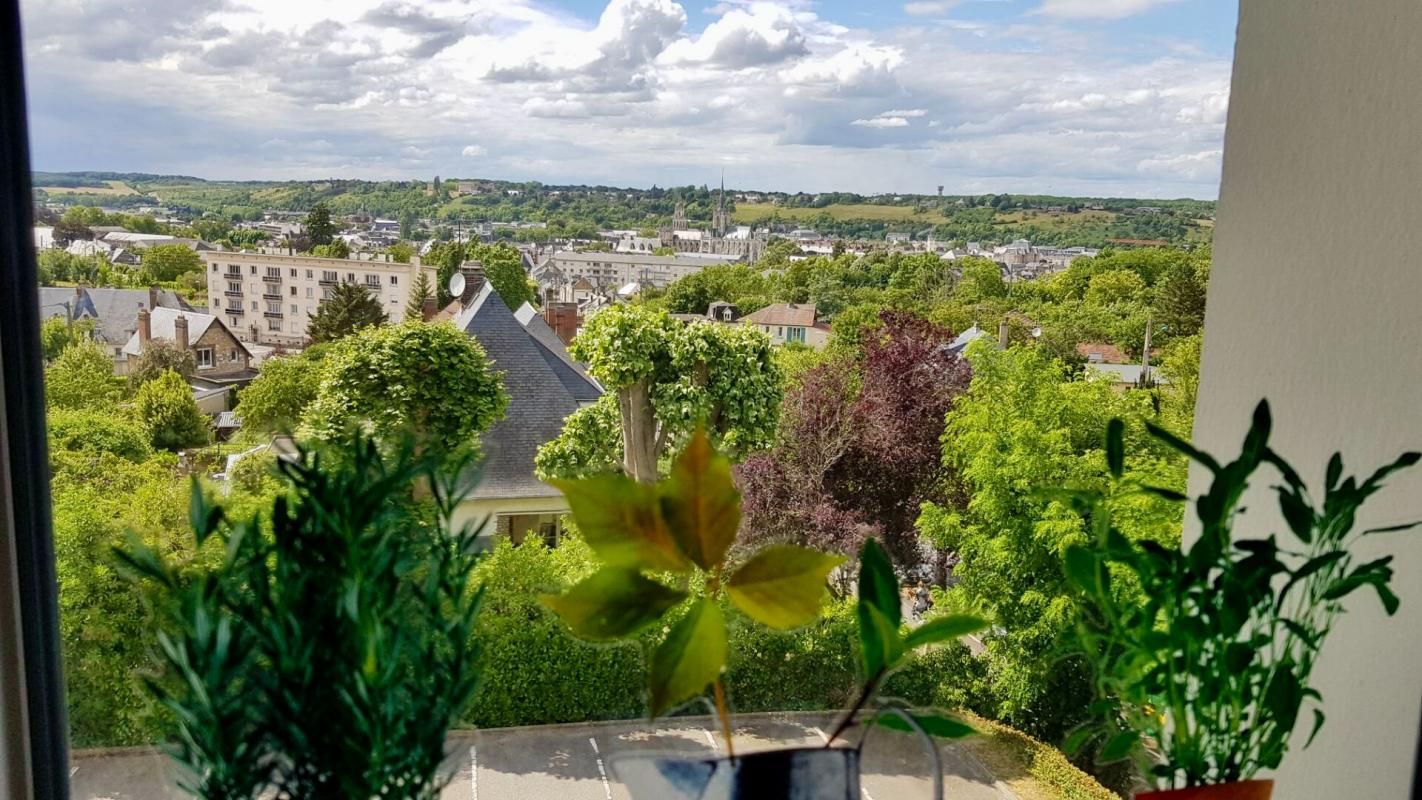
284	388
97	431
67	231
82	377
319	227
166	407
160	356
504	267
350	308
1115	286
401	252
337	248
670	378
57	333
733	283
432	380
980	280
162	263
1025	425
420	291
1180	295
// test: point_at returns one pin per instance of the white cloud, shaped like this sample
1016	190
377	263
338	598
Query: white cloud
785	98
882	122
1098	9
929	8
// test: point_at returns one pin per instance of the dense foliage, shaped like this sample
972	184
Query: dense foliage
160	356
668	378
284	388
350	308
167	410
431	381
82	377
1023	425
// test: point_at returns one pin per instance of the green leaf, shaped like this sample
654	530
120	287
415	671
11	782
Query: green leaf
1298	514
1082	569
1119	746
943	629
1318	719
622	522
942	726
782	585
690	658
613	603
701	504
1115	447
1167	494
1256	442
1394	528
1335	471
879	644
877	584
1078	739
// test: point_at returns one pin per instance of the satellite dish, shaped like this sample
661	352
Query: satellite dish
456	285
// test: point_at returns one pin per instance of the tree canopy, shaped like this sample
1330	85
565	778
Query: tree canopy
319	227
350	308
668	379
430	380
503	265
82	377
166	407
284	388
163	263
160	356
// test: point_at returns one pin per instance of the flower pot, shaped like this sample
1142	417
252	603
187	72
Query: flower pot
818	773
1243	790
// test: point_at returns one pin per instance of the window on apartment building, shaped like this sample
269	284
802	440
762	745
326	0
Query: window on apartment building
309	293
350	276
254	269
216	303
274	325
234	286
293	272
275	308
254	305
214	267
394	280
293	291
204	357
293	309
308	274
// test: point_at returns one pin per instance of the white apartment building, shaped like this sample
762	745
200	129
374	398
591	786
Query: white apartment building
269	296
619	269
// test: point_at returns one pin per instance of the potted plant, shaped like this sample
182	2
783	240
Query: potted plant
328	649
664	552
1202	680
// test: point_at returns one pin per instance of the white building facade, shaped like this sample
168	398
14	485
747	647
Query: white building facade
269	297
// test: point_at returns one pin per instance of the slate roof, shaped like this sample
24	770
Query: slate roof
116	310
161	327
537	382
574	377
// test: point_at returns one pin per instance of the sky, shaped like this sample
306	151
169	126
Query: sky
1071	97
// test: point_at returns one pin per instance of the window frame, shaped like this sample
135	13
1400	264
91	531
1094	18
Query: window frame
211	357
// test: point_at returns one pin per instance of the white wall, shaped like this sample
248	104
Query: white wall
1315	303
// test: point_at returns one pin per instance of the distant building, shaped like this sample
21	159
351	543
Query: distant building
269	296
114	311
618	269
788	323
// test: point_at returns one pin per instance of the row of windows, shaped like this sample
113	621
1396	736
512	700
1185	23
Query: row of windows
274	273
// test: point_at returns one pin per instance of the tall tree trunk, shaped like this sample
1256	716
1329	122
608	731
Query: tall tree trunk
639	431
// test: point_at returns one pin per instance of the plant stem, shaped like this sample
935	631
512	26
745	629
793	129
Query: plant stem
724	713
870	686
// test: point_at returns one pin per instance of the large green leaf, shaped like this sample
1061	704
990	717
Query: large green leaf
622	522
1115	447
613	603
782	585
877	584
701	504
880	646
944	629
690	658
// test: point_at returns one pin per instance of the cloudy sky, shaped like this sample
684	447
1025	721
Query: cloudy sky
1087	97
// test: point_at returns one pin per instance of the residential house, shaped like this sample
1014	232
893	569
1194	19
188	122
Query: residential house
787	323
221	358
113	311
544	386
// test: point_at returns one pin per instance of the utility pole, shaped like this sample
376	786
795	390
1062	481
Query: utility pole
1146	381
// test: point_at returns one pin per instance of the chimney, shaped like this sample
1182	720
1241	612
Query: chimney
428	308
180	332
145	328
152	297
473	272
1002	335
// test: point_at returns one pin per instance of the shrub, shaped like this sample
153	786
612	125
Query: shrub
169	413
98	432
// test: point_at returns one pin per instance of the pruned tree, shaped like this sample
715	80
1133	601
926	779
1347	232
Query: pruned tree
431	381
169	413
668	379
350	308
